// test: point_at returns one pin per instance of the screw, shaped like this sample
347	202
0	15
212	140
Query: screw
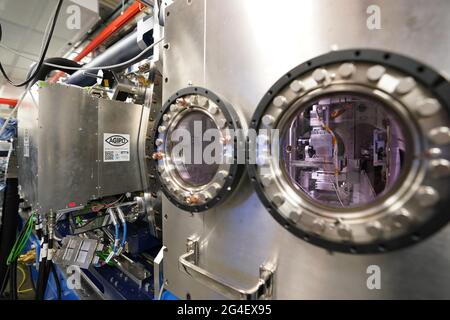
346	70
375	73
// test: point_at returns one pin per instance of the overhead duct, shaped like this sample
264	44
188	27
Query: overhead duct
121	51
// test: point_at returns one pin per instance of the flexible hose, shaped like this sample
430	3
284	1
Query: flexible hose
124	236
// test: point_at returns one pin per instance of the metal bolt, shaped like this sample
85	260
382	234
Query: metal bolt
318	226
294	216
278	200
192	199
213	189
266	180
182	102
162	129
279	101
166	117
344	231
374	229
296	86
346	70
405	85
174	108
267	120
434	152
222	123
222	174
440	168
427	196
212	109
159	142
428	107
157	155
440	135
320	75
375	73
401	219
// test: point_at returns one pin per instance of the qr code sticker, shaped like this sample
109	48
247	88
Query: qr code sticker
109	155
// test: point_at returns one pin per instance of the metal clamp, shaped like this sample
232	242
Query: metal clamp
189	265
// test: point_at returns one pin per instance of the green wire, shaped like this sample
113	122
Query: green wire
21	242
24	241
19	245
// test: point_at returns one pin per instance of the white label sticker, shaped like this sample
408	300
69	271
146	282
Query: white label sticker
26	144
116	147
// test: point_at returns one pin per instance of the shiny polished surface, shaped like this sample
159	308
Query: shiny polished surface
71	169
239	49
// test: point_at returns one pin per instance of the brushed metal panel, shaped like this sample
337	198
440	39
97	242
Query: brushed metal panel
120	118
63	160
176	225
184	33
67	156
248	46
27	148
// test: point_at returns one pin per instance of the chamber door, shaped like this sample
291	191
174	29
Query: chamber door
351	151
196	146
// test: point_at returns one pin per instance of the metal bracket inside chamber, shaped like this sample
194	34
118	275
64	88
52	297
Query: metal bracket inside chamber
188	263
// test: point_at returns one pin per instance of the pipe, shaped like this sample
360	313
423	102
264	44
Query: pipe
9	102
117	24
121	51
109	30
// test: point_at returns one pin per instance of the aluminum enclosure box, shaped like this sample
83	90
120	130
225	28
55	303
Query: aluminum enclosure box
64	157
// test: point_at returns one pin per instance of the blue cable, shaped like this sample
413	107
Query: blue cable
116	227
124	236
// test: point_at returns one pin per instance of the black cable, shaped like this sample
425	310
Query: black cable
39	280
46	69
57	283
43	53
13	283
41	284
5	280
9	223
48	268
11	273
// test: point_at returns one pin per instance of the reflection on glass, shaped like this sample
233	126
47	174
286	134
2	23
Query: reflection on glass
343	150
189	162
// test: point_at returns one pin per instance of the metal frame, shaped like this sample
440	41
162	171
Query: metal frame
189	198
409	212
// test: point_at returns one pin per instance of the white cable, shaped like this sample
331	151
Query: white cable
114	66
161	291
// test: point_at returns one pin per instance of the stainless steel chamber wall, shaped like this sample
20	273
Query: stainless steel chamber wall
74	147
238	50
